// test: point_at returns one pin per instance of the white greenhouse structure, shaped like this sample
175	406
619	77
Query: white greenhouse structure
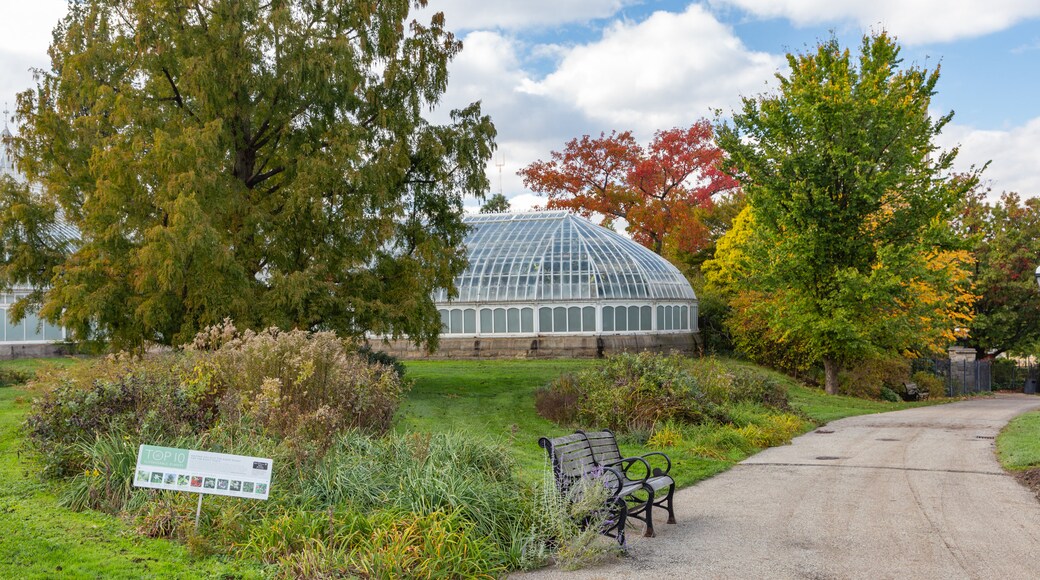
550	283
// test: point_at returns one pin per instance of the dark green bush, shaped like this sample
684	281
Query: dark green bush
383	358
889	395
930	384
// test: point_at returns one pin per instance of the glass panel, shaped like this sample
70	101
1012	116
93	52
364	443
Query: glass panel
545	319
676	322
684	318
660	318
500	320
667	317
52	332
526	320
469	321
621	318
32	329
513	319
588	319
559	319
485	321
645	318
15	332
574	319
3	324
456	321
608	319
633	318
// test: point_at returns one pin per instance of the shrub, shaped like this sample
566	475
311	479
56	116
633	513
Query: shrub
383	358
309	385
889	395
867	378
9	377
929	383
558	401
141	398
631	393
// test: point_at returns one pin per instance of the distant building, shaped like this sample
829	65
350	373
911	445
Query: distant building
31	336
544	284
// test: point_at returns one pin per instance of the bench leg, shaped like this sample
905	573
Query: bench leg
671	512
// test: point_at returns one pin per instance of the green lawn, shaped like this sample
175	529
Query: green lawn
823	408
1018	446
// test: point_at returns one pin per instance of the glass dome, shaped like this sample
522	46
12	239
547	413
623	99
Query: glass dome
551	272
555	255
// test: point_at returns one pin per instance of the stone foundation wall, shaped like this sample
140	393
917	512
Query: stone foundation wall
13	351
545	346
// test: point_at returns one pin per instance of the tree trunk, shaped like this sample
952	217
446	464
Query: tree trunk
830	372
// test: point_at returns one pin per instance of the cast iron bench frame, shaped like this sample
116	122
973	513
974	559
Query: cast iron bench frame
643	492
572	461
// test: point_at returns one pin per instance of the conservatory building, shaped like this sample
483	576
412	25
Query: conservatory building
550	283
31	336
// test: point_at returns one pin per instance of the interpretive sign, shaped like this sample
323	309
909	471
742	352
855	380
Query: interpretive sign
203	472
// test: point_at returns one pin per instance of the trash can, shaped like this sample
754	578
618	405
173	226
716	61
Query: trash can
1030	388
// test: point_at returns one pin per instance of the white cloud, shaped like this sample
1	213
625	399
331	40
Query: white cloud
24	37
1015	155
667	70
912	21
518	14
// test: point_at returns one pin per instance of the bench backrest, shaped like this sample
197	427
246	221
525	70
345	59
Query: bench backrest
571	457
603	446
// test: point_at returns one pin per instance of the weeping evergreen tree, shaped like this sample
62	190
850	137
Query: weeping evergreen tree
267	161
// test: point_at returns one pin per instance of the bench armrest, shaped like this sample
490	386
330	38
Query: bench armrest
611	478
627	464
668	462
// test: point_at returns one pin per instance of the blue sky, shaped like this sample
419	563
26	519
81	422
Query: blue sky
550	70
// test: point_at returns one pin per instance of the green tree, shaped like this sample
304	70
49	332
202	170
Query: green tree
267	161
1007	252
851	202
497	203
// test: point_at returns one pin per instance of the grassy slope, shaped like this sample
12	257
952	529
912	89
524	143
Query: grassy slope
38	539
1018	446
495	398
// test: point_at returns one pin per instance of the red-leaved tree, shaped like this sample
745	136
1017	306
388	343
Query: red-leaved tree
663	191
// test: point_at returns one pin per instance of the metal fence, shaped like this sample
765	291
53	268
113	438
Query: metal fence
959	377
1015	375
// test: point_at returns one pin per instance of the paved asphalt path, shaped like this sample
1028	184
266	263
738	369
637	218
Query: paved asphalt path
910	494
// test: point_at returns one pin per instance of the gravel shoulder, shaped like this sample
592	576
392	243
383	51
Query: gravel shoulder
909	494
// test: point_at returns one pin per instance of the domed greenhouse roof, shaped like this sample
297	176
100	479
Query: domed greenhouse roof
555	255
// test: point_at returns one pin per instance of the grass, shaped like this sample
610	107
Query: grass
492	398
1018	445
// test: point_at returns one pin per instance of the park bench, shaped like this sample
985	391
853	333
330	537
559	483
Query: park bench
643	483
572	462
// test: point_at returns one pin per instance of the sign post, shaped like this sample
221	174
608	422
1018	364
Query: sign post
203	472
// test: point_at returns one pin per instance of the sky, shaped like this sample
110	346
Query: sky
547	71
